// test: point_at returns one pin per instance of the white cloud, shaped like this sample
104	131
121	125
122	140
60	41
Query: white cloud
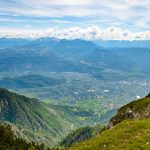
46	8
59	2
109	8
104	13
90	33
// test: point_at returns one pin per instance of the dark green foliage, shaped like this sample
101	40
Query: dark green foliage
148	95
9	141
24	111
31	118
80	135
39	122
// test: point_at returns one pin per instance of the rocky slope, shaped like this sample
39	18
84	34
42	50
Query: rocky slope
129	129
138	109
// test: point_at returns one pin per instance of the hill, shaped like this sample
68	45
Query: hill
10	141
138	109
29	81
36	121
105	59
55	55
129	129
43	54
124	136
140	56
81	134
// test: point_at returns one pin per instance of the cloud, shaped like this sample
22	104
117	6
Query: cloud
45	8
75	8
59	2
129	14
89	33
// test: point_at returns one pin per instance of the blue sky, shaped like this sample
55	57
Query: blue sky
30	15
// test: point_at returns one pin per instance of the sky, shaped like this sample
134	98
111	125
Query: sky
91	19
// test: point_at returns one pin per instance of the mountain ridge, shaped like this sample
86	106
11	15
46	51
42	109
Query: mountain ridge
126	130
40	122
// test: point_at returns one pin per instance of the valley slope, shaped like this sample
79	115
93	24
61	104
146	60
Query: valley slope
129	129
39	122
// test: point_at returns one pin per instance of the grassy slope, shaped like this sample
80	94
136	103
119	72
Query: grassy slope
130	129
135	110
128	135
80	135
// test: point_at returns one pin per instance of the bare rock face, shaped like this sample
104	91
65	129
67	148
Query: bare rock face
138	109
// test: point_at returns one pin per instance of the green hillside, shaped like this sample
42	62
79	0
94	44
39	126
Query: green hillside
76	115
36	121
9	141
128	135
80	135
128	130
48	124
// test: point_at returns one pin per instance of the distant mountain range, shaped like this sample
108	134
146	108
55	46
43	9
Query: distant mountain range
123	43
53	55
